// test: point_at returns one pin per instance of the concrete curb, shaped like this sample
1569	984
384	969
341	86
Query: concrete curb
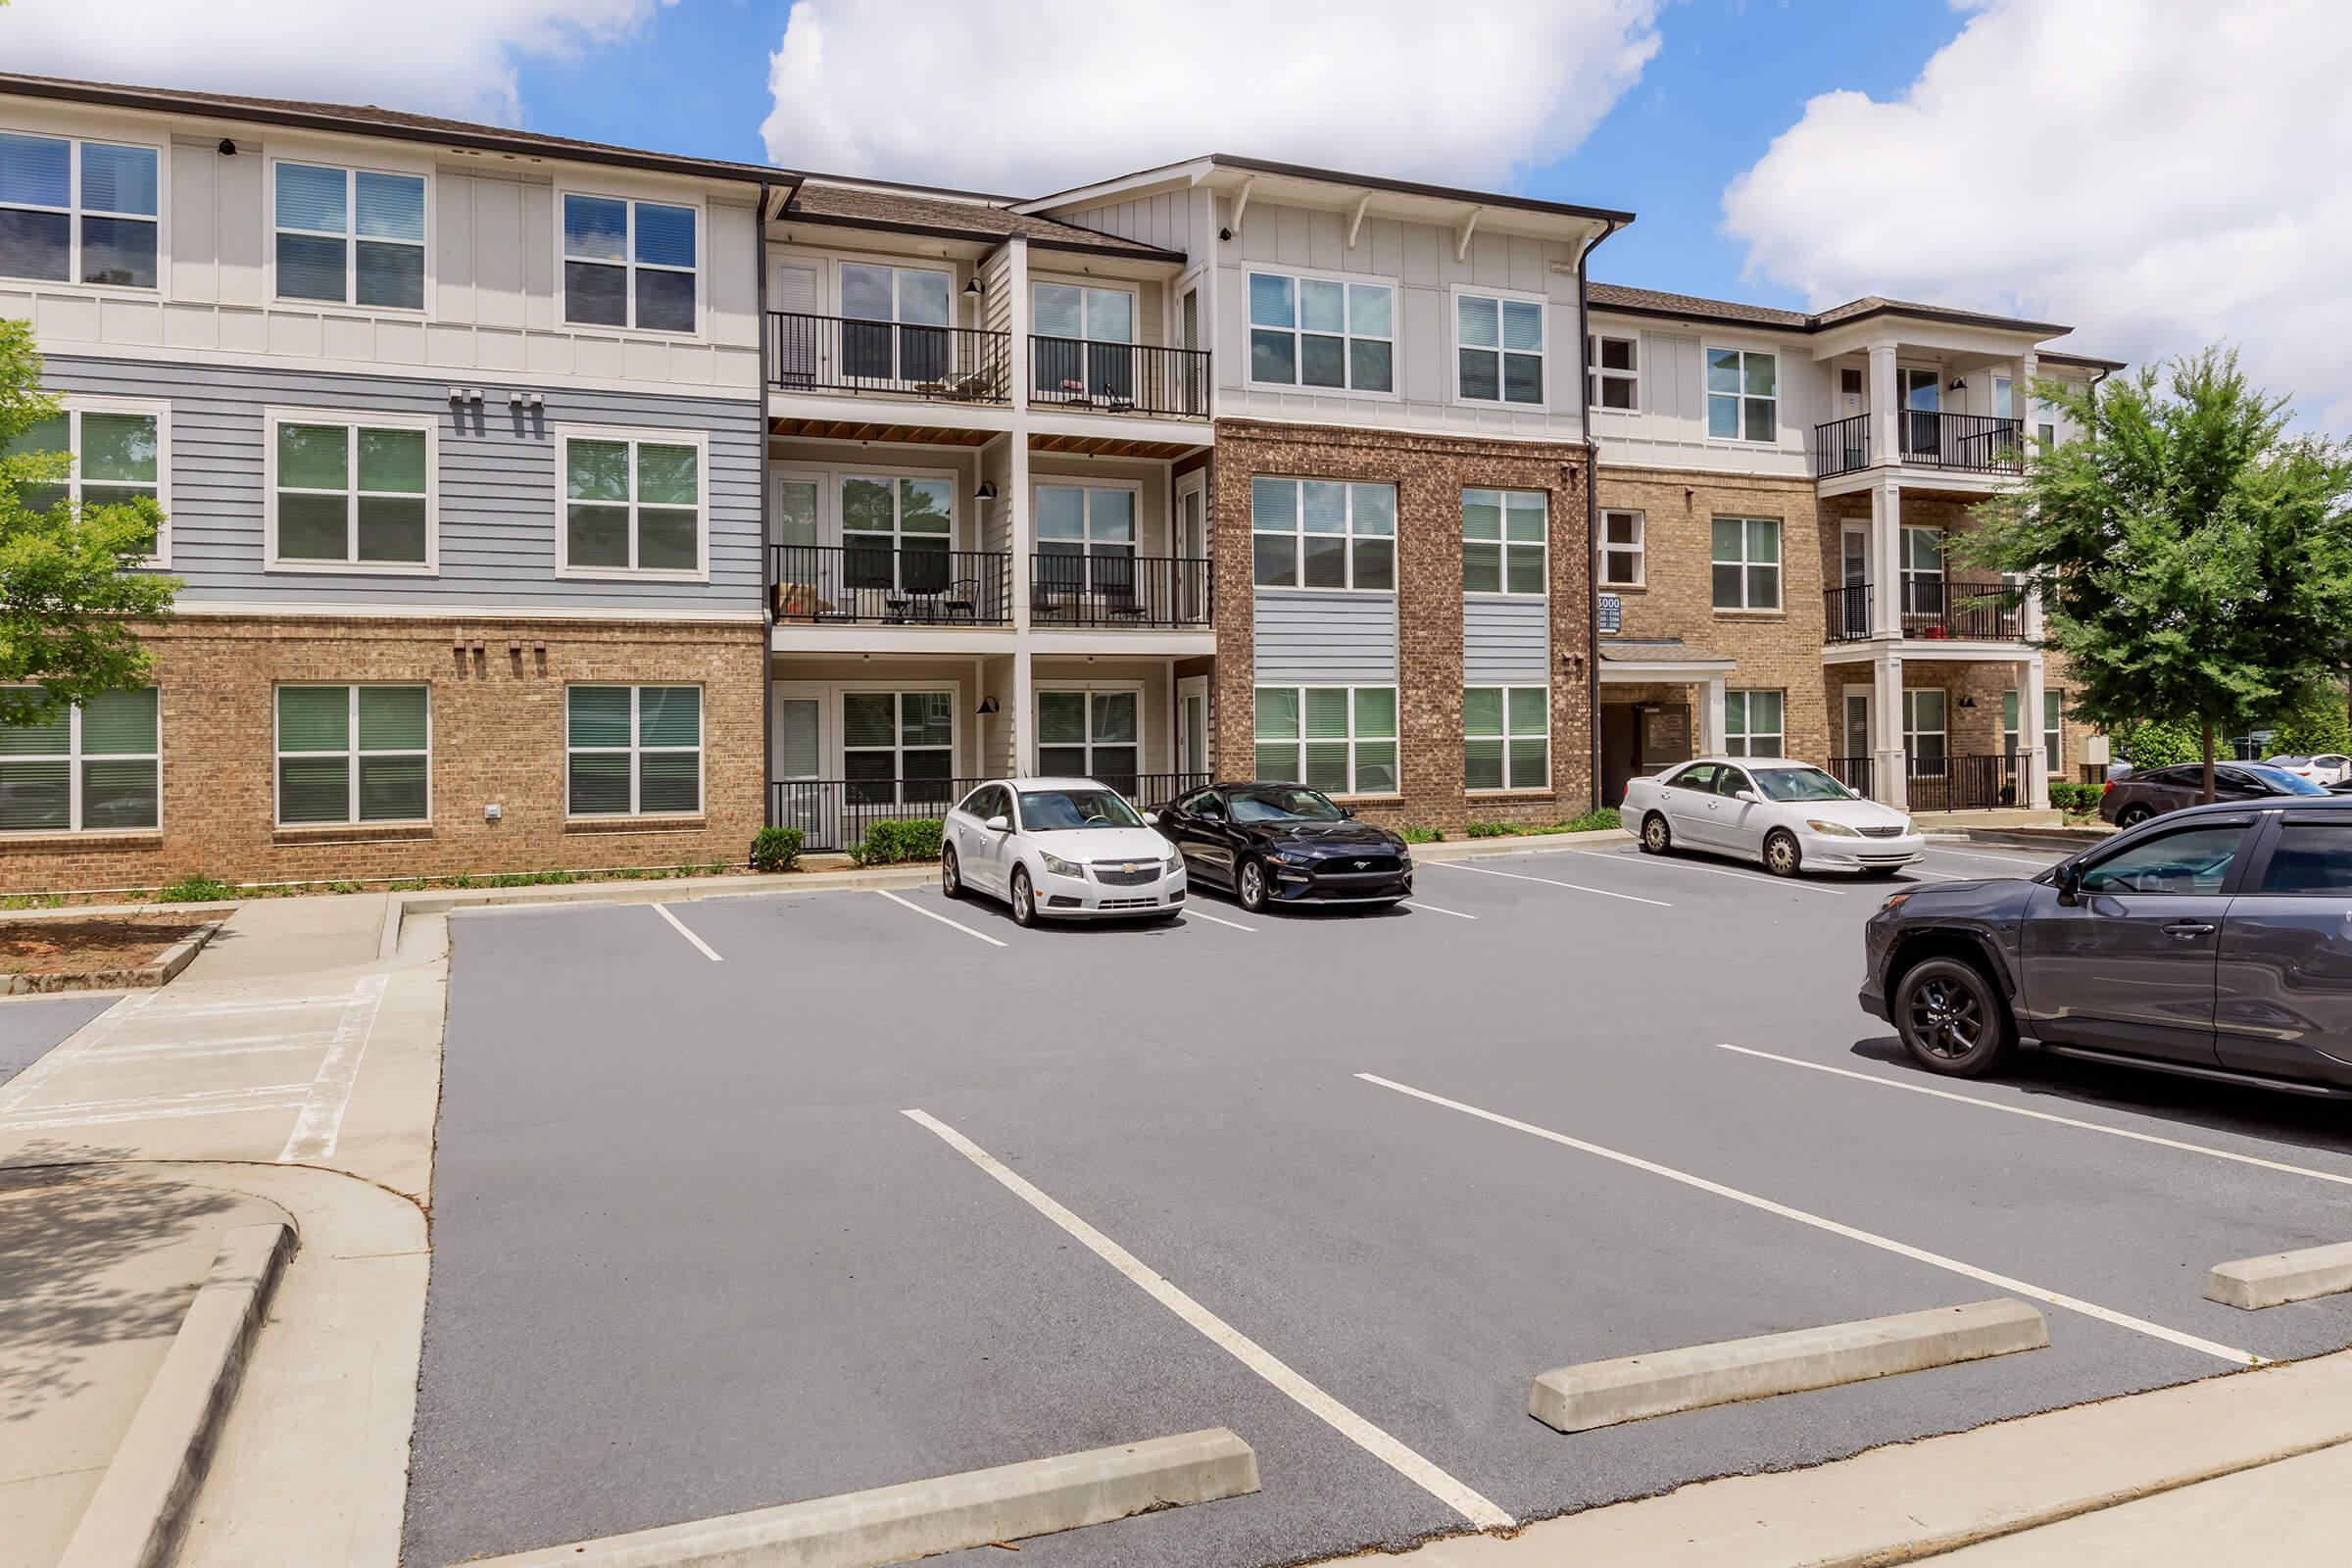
2028	838
1519	844
1600	1393
947	1513
135	1516
2254	1283
168	963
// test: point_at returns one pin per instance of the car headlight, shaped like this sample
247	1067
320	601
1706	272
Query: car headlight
1835	830
1059	867
1294	856
1175	860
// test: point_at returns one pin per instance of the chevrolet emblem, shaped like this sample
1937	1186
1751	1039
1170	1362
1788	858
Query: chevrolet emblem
1129	868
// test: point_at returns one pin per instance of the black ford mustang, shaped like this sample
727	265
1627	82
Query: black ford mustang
1273	843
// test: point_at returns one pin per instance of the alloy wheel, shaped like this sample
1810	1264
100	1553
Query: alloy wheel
1946	1018
1024	901
950	883
1251	887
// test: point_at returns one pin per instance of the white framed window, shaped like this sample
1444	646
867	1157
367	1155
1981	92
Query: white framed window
890	739
1498	349
1084	342
1322	534
1753	725
94	768
1624	558
1503	541
350	492
1923	570
1090	733
1924	734
1747	563
1085	537
630	264
633	750
348	236
1615	381
1329	332
896	322
353	754
632	503
1743	395
1506	738
2053	709
897	531
1341	740
121	450
75	211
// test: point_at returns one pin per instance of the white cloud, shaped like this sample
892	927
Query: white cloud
446	57
2160	173
1060	92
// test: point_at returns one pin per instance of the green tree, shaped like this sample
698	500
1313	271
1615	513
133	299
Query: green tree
2313	725
2194	560
70	590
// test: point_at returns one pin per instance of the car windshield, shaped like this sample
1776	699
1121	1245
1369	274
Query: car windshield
1800	784
1283	802
2286	781
1052	811
2289	761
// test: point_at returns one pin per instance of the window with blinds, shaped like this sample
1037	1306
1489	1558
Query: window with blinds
1498	350
629	263
1503	541
896	746
1088	734
1506	738
349	236
1322	333
1341	740
116	451
633	750
632	503
1752	725
353	754
352	494
100	227
1322	534
93	767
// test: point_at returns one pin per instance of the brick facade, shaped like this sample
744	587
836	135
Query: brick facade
498	738
1430	473
1774	649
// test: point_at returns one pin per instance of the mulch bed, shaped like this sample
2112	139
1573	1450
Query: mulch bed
94	944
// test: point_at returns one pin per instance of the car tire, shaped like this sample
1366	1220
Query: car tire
1951	1019
1025	899
2133	815
1782	857
951	875
1656	837
1250	886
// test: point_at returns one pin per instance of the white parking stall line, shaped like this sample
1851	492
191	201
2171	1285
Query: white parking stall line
1416	903
321	1123
226	1010
2072	1303
167	1109
1717	870
702	947
2005	859
933	914
1374	1441
2208	1152
1521	877
82	1043
1191	913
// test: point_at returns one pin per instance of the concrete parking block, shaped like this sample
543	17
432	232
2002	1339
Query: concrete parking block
2254	1283
947	1513
1632	1388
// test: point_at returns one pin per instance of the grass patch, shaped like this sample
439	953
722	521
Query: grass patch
1420	835
197	889
1599	821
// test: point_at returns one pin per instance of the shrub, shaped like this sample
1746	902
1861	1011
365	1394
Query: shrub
197	889
1491	831
776	849
1420	835
1598	819
2313	725
891	841
2069	796
2160	744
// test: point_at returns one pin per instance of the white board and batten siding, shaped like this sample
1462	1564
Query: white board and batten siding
1506	640
1304	637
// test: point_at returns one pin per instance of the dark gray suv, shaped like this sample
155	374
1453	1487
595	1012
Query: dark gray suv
2215	941
2133	798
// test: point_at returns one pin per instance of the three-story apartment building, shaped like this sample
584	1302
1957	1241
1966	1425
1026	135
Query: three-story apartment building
543	504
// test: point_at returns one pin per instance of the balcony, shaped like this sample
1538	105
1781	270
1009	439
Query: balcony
880	585
834	813
1067	372
937	364
1933	610
1961	443
1067	589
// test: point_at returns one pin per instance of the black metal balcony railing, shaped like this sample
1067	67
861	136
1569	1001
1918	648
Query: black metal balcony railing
892	586
833	813
1067	589
1933	610
832	353
1852	771
1971	782
1117	378
1968	443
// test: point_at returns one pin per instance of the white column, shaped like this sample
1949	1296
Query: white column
1710	719
2029	616
1883	447
1886	560
2033	766
1025	713
1888	776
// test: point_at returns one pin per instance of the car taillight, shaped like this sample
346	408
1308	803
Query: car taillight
2106	789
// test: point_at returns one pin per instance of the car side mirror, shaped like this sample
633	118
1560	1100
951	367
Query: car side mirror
1347	811
998	825
1150	819
2068	882
1749	796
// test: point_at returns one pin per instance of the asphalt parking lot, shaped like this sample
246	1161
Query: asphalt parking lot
749	1201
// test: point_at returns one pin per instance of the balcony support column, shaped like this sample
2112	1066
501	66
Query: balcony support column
1889	783
1710	719
1886	562
1883	447
2033	762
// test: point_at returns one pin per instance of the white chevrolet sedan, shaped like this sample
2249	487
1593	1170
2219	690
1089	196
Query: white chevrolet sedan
1786	816
1060	848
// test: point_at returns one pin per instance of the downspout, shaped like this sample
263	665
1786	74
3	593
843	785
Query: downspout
767	557
1583	400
